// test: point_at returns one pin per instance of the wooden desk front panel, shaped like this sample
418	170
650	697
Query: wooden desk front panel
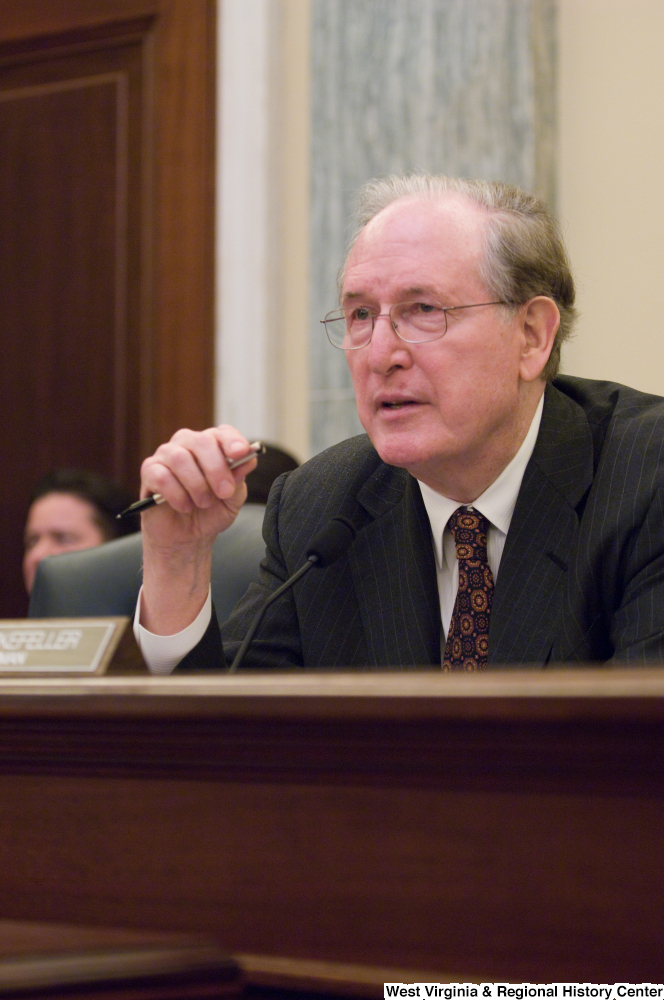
511	837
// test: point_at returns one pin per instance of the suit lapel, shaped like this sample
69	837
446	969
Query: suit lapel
533	570
394	573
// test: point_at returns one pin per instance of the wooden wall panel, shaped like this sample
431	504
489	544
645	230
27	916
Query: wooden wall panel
106	230
64	281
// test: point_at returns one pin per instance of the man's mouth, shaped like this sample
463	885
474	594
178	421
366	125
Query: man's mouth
398	406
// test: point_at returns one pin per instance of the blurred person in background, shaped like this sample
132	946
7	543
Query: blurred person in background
72	509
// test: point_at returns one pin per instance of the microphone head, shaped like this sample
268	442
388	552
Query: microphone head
332	539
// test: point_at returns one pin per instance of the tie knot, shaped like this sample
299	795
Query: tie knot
469	530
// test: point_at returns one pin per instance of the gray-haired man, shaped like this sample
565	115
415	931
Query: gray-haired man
506	515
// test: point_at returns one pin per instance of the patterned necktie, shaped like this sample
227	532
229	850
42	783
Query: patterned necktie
468	637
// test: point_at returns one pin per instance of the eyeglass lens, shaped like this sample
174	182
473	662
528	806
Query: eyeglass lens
415	322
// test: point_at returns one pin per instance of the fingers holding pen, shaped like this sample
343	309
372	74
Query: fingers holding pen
200	462
191	471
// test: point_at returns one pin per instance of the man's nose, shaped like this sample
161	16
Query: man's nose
386	349
44	547
32	559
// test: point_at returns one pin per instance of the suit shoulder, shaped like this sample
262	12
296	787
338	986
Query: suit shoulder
336	471
622	421
604	401
355	451
329	485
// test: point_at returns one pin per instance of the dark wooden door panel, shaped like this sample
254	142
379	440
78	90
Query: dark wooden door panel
64	295
106	206
70	225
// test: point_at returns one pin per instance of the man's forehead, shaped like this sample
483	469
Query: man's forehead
447	207
61	505
445	230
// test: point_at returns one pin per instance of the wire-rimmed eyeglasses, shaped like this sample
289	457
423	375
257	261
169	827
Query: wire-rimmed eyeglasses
414	322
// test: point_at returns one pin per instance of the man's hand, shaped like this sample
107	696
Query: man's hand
202	498
202	494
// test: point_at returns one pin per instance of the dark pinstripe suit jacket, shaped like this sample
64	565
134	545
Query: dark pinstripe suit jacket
581	577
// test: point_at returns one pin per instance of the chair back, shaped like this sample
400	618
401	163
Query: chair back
105	580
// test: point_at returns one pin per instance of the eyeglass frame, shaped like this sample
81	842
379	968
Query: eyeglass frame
388	315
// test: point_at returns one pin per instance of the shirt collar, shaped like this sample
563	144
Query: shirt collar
498	501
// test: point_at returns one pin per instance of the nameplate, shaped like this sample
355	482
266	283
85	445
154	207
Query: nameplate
68	647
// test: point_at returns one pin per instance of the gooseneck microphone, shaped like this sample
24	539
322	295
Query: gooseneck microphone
326	546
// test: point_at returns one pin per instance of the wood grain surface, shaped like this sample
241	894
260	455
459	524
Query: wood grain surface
508	826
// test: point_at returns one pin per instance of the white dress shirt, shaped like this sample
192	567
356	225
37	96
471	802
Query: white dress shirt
162	653
497	504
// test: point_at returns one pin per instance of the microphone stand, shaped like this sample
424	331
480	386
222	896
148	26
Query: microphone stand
239	656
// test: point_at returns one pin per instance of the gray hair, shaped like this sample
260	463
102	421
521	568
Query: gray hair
524	253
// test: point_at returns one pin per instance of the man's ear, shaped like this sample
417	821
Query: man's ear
540	321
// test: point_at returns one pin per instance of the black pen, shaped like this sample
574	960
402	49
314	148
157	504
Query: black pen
256	448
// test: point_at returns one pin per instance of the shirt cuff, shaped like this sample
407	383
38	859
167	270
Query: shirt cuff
162	653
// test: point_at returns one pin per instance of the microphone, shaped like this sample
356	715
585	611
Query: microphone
327	545
330	542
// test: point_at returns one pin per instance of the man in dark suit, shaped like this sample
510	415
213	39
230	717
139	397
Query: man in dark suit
504	515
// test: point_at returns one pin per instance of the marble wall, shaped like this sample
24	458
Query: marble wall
450	86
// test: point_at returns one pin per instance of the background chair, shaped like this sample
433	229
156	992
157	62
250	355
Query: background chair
106	580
